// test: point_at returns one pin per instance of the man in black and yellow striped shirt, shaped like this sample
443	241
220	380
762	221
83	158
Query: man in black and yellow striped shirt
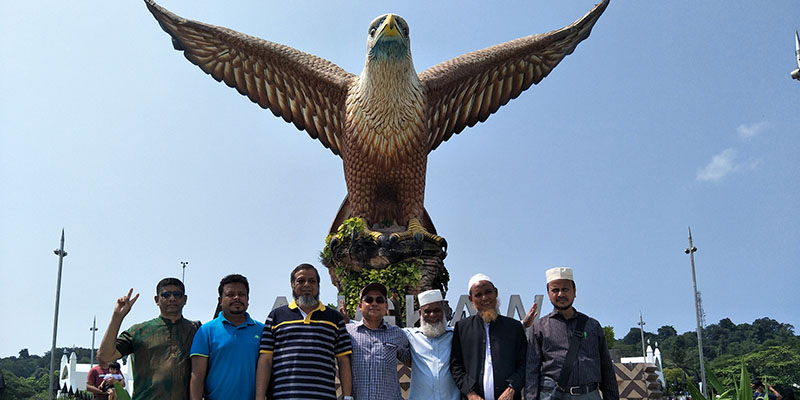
301	344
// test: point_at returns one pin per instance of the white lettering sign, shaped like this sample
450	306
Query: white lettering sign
463	308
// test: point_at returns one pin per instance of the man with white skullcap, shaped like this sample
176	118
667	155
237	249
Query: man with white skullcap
548	376
430	351
492	369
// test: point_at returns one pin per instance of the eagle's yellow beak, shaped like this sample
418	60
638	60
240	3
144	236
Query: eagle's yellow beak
389	27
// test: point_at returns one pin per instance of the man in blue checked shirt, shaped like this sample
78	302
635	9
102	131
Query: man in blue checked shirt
225	350
430	352
376	348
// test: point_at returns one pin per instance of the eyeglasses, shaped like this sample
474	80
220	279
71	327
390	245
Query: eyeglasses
370	299
176	293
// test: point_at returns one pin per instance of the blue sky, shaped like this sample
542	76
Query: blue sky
670	115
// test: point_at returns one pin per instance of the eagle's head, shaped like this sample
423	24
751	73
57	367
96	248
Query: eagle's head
388	40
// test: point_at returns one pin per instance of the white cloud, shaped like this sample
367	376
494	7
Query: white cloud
724	164
720	165
746	131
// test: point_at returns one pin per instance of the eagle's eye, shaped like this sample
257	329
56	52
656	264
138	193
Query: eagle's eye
372	32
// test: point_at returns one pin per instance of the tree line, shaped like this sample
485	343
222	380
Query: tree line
770	349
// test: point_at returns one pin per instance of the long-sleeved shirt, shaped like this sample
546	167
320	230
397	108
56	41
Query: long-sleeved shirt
374	360
430	366
547	348
468	355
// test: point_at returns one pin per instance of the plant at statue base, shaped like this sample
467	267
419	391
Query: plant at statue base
742	392
349	228
400	278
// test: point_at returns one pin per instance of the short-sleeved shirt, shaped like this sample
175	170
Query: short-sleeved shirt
232	353
161	365
95	378
374	360
304	351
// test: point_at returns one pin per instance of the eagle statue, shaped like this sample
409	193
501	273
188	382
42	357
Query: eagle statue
385	121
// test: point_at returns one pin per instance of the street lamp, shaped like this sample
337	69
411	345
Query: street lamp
183	273
93	329
641	329
690	251
61	254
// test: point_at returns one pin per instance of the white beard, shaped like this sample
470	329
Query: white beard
432	330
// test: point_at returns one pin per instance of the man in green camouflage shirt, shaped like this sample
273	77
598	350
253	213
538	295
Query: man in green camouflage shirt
160	347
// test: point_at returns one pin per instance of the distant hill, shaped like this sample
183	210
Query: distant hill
771	351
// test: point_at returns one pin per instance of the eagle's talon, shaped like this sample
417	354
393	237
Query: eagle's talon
378	238
416	232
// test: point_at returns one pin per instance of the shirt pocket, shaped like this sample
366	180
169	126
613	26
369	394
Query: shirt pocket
590	349
388	351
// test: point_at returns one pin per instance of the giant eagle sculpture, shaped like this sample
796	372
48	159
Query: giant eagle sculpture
385	121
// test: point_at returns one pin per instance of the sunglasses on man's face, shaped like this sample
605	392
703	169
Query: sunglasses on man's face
176	293
370	299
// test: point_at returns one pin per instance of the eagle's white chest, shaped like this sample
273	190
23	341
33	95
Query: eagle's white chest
385	116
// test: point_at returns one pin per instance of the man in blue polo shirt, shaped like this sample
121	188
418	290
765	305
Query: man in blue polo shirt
225	350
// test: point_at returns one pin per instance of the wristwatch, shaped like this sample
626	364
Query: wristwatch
347	397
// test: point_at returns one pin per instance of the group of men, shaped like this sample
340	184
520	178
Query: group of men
298	351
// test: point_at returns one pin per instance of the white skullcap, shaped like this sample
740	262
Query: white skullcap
477	278
559	273
429	296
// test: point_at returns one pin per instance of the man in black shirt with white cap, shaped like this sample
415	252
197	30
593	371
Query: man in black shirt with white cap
591	372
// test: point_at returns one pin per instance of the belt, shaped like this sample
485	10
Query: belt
580	389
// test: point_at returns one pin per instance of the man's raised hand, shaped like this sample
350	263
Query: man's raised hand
124	304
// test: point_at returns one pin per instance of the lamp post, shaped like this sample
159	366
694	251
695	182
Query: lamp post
61	254
690	251
93	329
183	273
641	329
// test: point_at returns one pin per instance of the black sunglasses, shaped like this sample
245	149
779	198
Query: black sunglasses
370	299
176	293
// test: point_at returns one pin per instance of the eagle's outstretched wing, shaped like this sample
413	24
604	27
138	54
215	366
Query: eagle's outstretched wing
304	89
467	89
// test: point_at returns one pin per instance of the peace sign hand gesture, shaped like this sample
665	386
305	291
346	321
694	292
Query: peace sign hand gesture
124	304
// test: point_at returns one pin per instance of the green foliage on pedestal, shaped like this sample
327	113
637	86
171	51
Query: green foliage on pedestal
441	280
354	259
347	229
400	277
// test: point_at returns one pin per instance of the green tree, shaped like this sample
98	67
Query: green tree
28	388
608	332
634	336
777	365
674	380
666	331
